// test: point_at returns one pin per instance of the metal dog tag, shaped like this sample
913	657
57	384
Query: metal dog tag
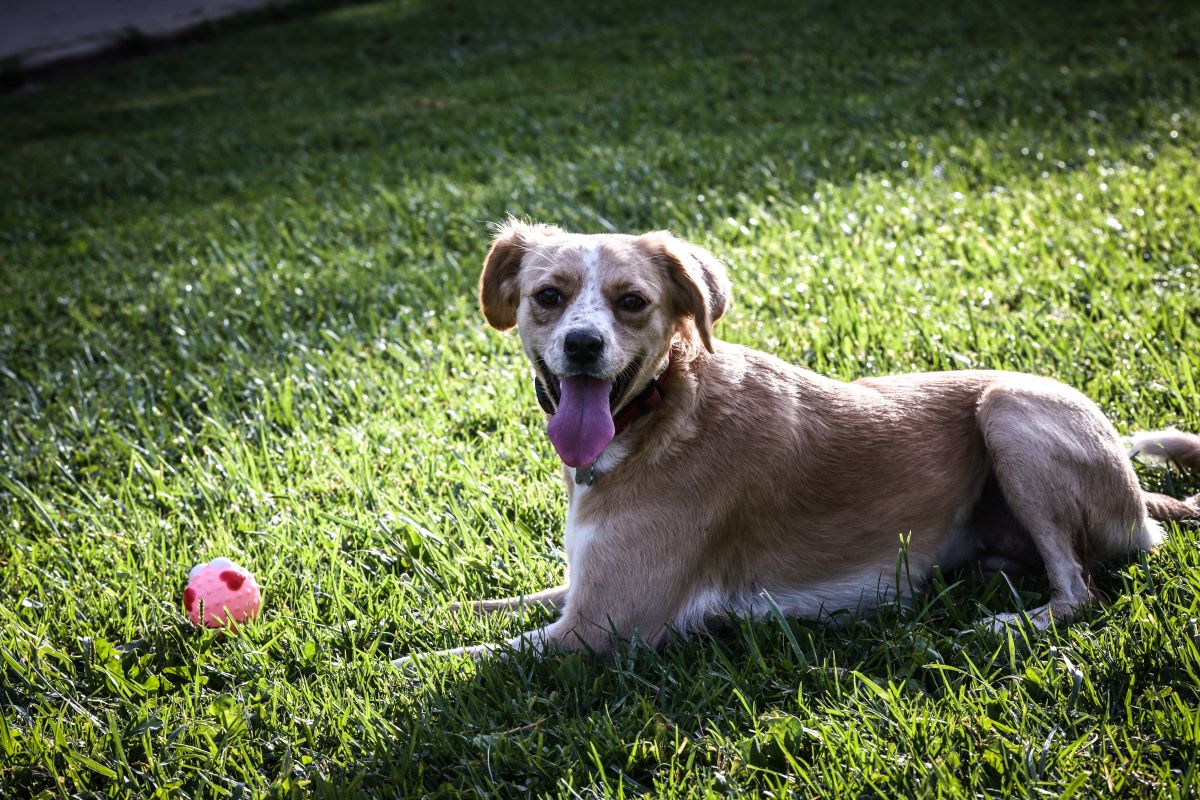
585	475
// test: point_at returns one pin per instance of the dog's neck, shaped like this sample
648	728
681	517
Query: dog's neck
648	400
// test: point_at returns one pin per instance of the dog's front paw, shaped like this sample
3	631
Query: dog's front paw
1000	624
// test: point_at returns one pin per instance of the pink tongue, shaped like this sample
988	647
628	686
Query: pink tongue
583	425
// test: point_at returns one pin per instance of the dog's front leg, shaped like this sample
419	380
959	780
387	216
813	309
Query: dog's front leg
536	641
626	582
550	599
621	587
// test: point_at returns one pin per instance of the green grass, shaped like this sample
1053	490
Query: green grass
237	318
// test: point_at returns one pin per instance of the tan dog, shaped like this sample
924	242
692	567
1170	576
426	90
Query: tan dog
731	482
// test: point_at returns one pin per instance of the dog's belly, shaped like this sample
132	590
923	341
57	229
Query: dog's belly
896	573
981	529
855	592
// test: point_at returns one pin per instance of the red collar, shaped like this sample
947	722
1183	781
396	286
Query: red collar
650	399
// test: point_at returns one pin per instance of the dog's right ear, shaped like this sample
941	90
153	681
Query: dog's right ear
498	289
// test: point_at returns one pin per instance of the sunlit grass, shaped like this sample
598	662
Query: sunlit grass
237	318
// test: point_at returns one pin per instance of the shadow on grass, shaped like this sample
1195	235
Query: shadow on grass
631	718
627	719
739	703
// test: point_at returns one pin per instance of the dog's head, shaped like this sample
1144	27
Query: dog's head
597	315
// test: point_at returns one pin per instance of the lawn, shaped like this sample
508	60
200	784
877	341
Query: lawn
237	317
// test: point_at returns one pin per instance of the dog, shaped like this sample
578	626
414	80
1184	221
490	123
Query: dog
706	479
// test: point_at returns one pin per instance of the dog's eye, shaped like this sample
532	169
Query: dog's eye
549	297
631	302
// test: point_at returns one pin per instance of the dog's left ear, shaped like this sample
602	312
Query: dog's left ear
700	282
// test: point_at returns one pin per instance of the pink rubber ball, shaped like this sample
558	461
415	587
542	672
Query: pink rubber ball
223	591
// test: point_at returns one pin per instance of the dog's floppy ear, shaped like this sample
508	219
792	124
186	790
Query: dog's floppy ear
699	280
498	287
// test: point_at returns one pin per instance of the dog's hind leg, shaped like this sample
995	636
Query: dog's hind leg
1065	476
550	599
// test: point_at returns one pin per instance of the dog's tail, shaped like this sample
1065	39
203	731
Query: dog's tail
1160	447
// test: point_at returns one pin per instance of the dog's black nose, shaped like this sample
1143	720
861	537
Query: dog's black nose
583	347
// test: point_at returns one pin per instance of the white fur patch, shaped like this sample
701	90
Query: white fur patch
704	603
589	310
1152	534
1114	540
611	458
576	535
858	591
591	257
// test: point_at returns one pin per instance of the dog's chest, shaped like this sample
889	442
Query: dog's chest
578	531
582	519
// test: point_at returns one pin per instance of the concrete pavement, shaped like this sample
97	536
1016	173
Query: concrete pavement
39	33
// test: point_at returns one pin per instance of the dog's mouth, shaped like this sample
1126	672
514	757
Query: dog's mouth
581	425
552	384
